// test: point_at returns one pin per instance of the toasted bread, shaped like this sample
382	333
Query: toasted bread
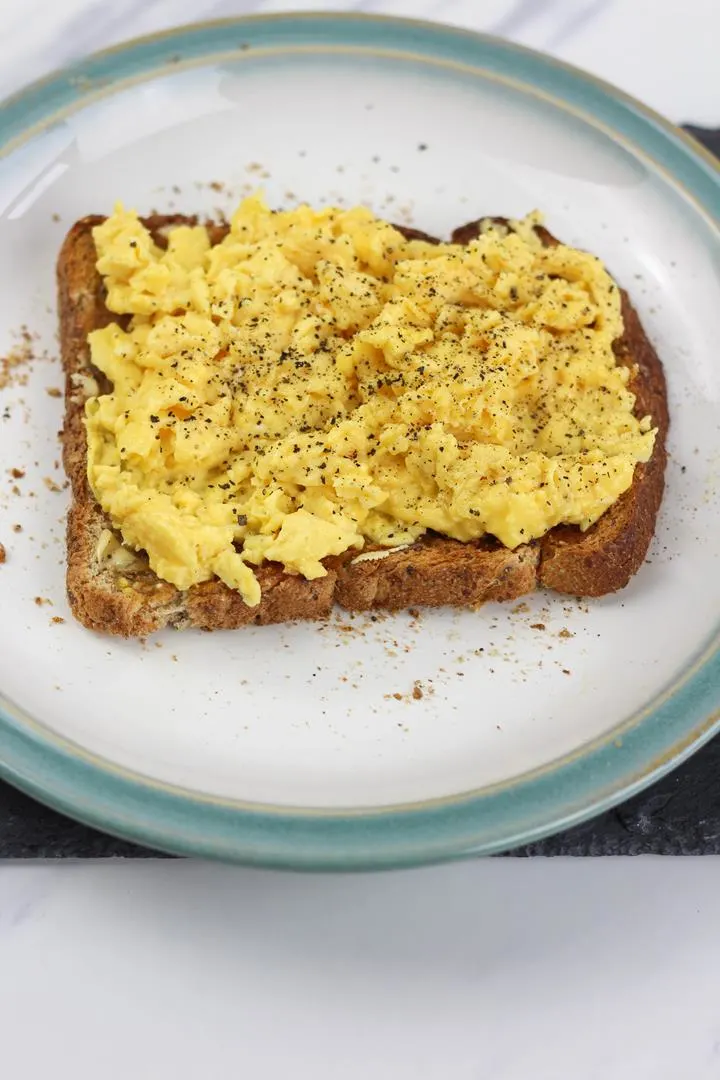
434	571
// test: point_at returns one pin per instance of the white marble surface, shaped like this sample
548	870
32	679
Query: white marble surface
497	970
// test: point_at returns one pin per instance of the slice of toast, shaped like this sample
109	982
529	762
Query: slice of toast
130	600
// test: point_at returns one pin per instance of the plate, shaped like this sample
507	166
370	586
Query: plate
370	741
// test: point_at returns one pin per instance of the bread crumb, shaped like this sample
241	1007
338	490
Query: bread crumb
13	366
53	391
565	633
17	474
3	554
57	620
41	601
417	691
50	484
17	528
537	626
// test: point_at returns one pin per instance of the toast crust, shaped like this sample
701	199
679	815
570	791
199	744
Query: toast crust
434	571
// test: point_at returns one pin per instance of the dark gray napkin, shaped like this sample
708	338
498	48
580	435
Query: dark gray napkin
679	815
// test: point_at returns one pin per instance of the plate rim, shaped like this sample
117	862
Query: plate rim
566	791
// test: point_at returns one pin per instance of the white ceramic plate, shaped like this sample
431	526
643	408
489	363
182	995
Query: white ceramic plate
361	741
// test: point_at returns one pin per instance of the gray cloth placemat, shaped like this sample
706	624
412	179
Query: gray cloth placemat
679	815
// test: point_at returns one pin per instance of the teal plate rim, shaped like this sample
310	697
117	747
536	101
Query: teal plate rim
564	792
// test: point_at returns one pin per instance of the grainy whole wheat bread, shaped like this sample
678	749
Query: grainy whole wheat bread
432	572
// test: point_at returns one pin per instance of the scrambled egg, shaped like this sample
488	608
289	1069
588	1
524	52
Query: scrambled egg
315	382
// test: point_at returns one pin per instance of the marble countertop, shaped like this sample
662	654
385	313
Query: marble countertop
493	970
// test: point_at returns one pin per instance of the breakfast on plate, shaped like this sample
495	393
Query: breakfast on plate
309	407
